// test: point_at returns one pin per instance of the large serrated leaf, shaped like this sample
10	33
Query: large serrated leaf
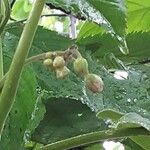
66	118
138	15
101	44
124	96
44	40
89	29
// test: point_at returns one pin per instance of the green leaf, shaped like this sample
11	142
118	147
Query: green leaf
111	62
113	11
21	9
89	29
142	141
130	120
48	42
123	96
22	119
65	118
113	115
141	117
44	40
18	120
138	15
133	96
131	145
138	45
37	114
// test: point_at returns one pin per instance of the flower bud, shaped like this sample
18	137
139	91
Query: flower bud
81	66
94	83
58	62
48	62
62	72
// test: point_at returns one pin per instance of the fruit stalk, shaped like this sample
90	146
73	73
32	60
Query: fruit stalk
72	51
11	83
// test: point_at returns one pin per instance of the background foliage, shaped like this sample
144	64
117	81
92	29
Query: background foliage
113	35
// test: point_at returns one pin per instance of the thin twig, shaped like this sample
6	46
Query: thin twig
46	15
78	16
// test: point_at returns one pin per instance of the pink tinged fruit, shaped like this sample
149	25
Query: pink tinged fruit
94	83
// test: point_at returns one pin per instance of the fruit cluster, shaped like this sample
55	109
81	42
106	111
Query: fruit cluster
58	63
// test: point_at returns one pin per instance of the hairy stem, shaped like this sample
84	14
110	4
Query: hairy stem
94	137
1	60
11	83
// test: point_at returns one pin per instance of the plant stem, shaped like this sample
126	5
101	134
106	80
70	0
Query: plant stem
1	60
72	27
94	137
11	83
2	83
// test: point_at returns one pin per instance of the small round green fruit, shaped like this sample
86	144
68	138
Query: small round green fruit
81	66
58	62
48	55
48	62
94	83
62	73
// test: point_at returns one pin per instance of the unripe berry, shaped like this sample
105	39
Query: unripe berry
58	62
48	62
94	83
62	72
48	55
81	66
